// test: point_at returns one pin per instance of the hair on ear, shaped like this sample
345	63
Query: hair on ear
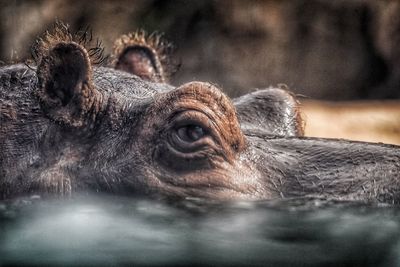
64	71
131	50
61	32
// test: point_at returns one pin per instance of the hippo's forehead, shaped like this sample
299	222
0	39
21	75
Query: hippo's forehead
128	85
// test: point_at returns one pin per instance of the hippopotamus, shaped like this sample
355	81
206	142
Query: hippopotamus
70	126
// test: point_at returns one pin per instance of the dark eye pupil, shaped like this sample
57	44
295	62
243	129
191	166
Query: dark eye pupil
191	133
195	132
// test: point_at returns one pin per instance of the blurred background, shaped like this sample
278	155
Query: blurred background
333	50
326	50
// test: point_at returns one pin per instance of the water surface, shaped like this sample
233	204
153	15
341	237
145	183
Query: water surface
109	230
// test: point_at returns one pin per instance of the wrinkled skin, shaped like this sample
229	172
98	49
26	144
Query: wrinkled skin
68	127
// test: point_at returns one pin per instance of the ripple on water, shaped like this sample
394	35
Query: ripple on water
116	231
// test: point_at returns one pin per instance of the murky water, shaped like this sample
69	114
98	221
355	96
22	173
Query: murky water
106	230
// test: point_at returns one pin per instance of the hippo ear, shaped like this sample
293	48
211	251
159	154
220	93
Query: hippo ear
65	88
272	111
142	55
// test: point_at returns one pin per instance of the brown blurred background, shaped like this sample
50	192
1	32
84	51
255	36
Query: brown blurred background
336	50
321	49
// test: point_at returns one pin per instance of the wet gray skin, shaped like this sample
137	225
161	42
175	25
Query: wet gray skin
68	126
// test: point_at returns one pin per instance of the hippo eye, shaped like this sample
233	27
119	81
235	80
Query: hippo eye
190	141
191	133
191	136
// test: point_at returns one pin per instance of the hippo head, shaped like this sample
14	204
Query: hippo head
122	129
